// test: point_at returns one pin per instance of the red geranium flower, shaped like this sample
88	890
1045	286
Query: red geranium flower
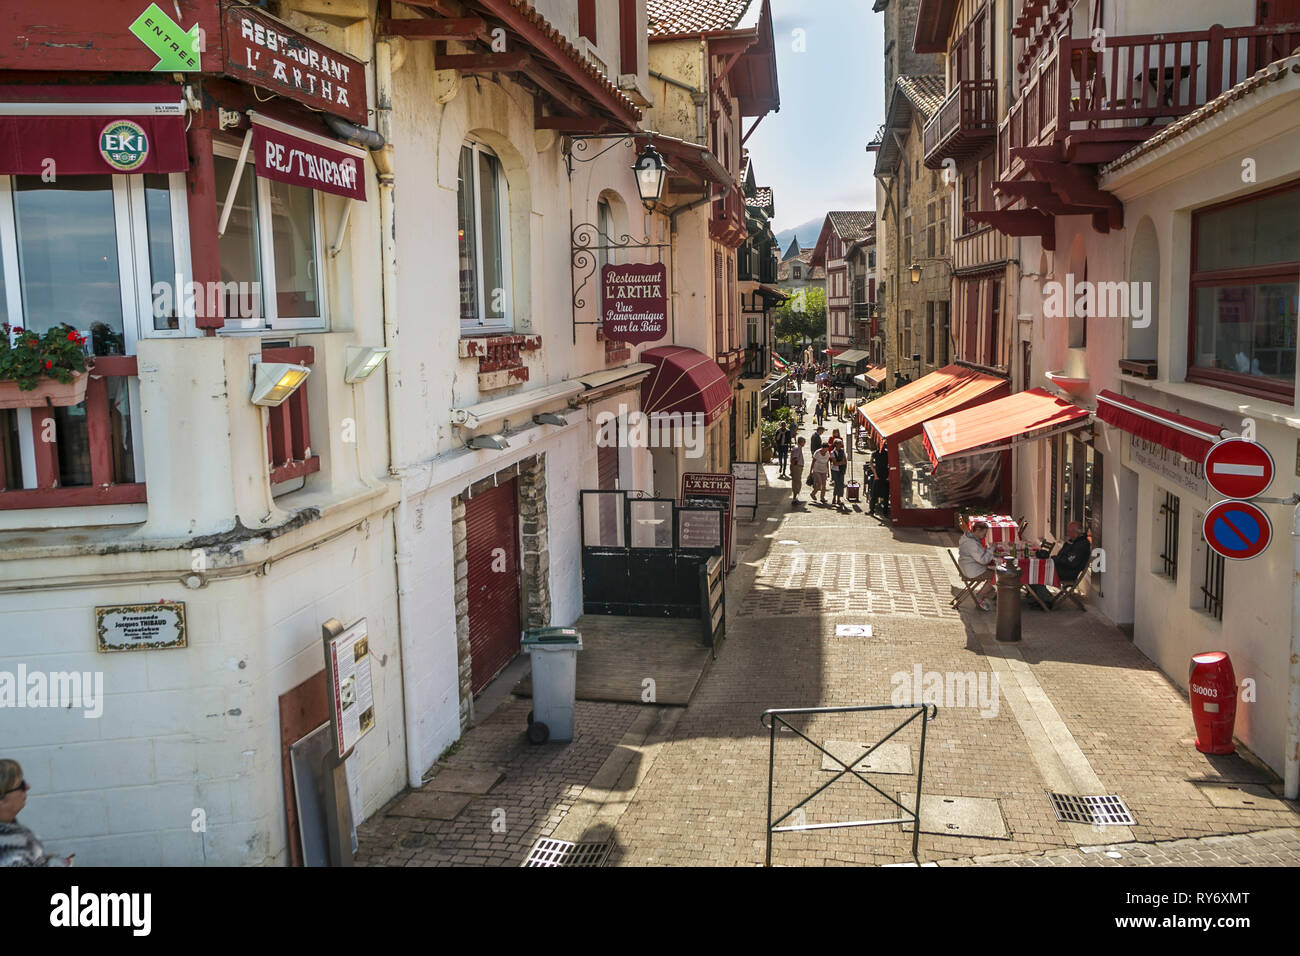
49	364
73	336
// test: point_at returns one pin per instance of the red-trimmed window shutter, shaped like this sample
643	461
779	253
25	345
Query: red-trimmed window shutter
587	19
627	37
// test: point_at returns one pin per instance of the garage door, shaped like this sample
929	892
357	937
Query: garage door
492	546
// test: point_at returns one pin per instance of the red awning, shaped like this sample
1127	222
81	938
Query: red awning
875	373
1187	436
999	424
684	381
91	130
901	412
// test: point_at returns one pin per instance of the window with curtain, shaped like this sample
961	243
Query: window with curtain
1245	273
483	242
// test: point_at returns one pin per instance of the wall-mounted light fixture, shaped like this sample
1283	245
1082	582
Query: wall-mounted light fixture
273	382
361	361
916	272
651	172
550	418
485	442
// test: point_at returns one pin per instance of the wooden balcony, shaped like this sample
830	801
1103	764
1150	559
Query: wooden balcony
1086	106
1079	107
80	455
965	125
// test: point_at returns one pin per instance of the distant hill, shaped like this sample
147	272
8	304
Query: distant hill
807	233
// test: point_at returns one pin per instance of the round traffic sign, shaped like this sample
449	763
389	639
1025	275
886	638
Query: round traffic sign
1237	529
1238	468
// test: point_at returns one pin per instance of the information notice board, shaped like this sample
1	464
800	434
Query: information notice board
746	475
714	491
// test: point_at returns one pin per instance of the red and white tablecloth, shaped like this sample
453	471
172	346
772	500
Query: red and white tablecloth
1003	529
1039	571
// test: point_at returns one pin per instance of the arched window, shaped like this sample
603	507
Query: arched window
483	242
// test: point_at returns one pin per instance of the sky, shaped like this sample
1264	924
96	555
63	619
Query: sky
832	77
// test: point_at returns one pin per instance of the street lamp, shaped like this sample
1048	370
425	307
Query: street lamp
651	171
916	272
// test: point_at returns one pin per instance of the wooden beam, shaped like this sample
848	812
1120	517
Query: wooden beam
442	28
571	124
482	62
565	97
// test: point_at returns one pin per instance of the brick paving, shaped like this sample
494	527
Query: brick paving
703	800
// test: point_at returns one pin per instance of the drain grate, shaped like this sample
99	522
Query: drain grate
547	852
1102	811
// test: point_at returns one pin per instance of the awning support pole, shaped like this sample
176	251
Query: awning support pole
234	182
337	247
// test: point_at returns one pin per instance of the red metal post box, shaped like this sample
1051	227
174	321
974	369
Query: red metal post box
1213	688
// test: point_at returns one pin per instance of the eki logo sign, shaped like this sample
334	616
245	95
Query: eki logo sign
123	145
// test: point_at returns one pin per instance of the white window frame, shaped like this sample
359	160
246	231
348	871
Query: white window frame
135	285
270	319
479	326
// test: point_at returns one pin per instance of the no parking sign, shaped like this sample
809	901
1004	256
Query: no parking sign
1237	529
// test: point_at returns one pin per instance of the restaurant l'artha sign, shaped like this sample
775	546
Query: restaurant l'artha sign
262	51
634	302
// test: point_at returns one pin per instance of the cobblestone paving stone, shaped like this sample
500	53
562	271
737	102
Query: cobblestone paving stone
704	799
539	787
1275	847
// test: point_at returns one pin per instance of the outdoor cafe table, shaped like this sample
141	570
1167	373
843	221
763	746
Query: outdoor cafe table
1003	529
1039	571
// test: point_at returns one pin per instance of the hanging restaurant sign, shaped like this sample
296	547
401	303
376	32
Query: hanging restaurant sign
261	50
295	156
634	302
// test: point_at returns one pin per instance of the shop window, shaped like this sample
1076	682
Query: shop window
483	237
270	252
89	252
1245	271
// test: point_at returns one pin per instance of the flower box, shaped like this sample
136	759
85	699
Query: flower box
57	393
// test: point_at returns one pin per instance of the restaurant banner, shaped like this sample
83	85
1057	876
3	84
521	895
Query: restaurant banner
634	302
299	158
261	50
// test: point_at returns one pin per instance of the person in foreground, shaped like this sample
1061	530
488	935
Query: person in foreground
18	845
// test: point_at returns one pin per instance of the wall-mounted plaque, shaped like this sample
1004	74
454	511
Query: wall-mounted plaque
141	627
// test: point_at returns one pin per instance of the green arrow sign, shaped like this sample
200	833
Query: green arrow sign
177	48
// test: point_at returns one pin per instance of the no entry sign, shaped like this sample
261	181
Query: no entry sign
1238	468
1237	529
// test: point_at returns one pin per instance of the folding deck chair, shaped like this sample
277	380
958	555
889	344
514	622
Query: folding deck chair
1072	591
968	584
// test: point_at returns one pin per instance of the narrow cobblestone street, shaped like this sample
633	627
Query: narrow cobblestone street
1076	709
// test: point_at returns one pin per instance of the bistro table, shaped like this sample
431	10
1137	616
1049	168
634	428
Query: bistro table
1039	571
1003	529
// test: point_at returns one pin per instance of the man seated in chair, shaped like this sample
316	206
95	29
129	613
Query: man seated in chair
1074	555
977	562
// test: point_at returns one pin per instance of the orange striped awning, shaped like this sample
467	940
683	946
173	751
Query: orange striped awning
900	413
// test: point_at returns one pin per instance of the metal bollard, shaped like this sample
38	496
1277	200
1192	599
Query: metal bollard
1009	606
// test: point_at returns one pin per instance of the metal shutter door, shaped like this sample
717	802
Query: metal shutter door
491	530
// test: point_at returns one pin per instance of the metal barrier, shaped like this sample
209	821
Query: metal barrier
771	718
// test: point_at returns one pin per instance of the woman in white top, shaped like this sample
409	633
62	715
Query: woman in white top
821	469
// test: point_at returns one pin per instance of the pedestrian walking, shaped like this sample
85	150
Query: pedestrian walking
796	468
782	441
820	413
19	845
839	461
817	439
820	472
880	482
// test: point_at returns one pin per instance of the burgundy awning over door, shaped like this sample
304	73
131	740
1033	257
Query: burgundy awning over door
684	381
1187	436
68	130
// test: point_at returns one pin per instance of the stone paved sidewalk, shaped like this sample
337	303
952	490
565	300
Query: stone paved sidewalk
1276	847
